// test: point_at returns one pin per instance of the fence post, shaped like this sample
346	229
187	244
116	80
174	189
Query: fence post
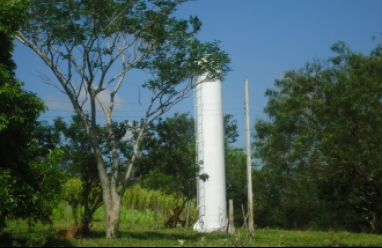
67	212
231	225
188	213
156	211
132	213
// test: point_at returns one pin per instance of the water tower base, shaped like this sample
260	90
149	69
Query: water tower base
202	226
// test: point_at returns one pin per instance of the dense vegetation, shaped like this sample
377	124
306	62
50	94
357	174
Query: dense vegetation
320	147
30	182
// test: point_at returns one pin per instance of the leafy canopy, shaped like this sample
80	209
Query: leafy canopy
324	131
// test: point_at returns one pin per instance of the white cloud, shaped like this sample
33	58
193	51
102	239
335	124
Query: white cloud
56	103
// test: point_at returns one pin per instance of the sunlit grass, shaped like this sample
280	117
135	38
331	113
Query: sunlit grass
139	235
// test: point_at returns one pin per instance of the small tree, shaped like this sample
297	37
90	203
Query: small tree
82	40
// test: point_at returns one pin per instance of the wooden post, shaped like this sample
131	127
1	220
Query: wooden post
231	225
132	213
188	213
67	212
244	216
156	211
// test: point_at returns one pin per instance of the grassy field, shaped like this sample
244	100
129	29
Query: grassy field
138	235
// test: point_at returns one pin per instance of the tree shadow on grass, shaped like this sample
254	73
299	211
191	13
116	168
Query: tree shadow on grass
27	239
150	235
160	235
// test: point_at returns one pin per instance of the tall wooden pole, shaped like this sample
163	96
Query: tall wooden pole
249	167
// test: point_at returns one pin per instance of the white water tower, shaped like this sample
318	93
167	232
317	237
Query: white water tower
211	194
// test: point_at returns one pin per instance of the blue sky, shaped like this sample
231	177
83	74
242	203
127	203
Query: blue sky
264	38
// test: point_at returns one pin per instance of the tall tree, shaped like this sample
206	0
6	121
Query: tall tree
325	125
94	36
28	172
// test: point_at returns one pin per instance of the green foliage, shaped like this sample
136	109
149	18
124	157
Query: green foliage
12	14
35	198
321	144
83	189
168	156
168	46
236	181
7	65
230	129
72	192
236	173
50	180
30	180
73	189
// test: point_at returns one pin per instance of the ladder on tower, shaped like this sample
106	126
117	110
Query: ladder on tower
199	150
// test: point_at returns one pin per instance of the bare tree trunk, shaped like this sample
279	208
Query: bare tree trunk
372	219
110	196
112	213
245	216
112	203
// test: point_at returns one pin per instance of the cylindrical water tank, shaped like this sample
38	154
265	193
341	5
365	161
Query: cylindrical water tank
212	201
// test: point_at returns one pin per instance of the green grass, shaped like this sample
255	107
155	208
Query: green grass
139	235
